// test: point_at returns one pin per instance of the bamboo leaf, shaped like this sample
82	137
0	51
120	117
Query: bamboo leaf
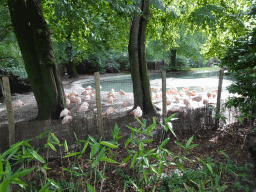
108	144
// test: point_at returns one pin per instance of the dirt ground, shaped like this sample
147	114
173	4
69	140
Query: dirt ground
29	110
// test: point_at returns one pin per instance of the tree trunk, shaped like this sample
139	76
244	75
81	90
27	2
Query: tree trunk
134	62
34	39
148	107
173	58
137	57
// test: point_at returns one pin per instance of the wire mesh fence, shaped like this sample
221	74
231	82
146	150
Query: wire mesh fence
193	115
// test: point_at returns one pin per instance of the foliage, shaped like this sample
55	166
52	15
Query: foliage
240	59
11	62
146	164
245	87
206	178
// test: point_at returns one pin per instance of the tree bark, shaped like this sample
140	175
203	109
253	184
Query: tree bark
34	39
173	58
137	57
134	61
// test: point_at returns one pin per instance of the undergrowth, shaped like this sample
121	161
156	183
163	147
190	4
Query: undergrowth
96	166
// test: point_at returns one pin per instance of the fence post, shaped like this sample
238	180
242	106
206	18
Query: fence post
98	103
10	115
164	93
221	73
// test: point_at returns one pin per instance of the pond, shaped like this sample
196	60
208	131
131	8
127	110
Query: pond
208	80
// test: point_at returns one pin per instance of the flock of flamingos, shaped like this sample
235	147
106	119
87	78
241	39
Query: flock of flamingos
175	100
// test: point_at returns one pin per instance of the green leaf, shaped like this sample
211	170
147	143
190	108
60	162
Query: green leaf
180	144
55	138
158	4
84	148
45	187
92	139
108	160
201	160
209	167
43	134
95	163
1	169
164	143
38	157
189	141
134	159
145	159
90	188
126	159
127	142
65	169
181	167
108	144
66	145
72	154
10	150
94	150
22	173
52	146
171	129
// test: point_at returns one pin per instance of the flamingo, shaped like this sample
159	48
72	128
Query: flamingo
205	101
86	92
88	88
168	101
74	93
121	92
172	91
202	88
19	103
83	107
67	101
209	95
173	108
64	112
87	98
71	98
137	112
197	98
189	94
77	100
186	102
213	95
110	99
110	110
193	92
186	88
176	98
125	103
66	119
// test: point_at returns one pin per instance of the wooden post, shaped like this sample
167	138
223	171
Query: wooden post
164	93
98	103
10	115
221	73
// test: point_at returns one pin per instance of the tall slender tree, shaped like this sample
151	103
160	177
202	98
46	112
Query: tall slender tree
137	57
34	39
